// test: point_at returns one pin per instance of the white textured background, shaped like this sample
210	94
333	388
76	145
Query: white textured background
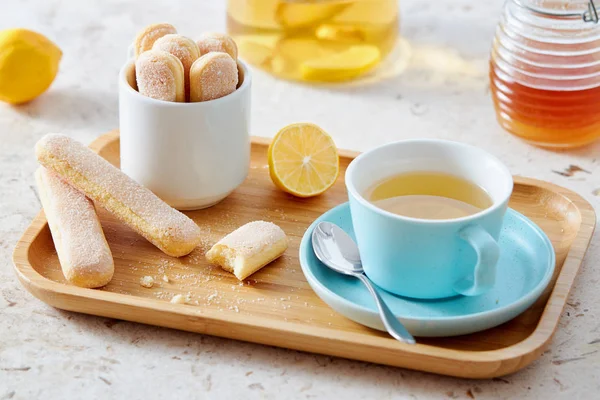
51	354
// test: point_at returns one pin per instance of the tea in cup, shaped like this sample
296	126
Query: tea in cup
429	195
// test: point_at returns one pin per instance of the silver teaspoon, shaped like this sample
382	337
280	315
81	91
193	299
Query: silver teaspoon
334	248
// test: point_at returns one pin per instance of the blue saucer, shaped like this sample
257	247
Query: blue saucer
524	270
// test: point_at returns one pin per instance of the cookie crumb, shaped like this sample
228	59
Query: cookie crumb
165	278
178	299
182	299
147	281
212	297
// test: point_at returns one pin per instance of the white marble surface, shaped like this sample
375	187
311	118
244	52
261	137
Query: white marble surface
51	354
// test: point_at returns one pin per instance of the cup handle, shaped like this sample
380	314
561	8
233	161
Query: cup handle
488	253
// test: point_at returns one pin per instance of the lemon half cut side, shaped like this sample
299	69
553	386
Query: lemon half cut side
303	160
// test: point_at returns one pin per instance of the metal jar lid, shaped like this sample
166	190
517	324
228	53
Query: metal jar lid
591	15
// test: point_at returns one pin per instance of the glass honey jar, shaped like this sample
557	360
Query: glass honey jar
545	72
314	40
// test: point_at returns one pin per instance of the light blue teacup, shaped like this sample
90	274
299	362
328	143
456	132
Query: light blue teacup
429	259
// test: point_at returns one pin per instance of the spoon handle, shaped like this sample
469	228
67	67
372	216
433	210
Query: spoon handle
393	326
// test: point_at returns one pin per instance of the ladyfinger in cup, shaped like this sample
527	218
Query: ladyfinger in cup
184	48
136	206
83	253
146	37
219	42
212	76
249	248
160	75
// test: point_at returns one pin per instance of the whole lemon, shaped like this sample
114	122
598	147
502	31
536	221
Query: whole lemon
28	65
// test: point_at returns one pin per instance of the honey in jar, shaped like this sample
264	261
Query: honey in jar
314	40
545	72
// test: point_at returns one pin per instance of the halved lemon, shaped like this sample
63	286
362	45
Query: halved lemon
303	160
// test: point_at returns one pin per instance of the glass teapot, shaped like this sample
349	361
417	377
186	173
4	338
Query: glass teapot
545	72
314	40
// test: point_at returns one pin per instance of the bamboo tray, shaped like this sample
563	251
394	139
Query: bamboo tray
276	305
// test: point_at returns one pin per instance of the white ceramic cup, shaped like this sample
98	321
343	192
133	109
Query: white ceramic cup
191	155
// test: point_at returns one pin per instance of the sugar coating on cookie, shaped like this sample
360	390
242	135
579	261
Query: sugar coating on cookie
83	253
184	48
133	204
212	76
249	248
146	37
220	42
159	75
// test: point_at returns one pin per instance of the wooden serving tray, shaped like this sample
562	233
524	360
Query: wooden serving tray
276	305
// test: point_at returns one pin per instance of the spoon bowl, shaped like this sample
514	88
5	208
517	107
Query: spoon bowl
336	249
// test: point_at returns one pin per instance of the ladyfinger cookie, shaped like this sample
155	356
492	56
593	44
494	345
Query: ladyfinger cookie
220	42
248	248
133	204
160	75
212	76
146	37
83	252
184	48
